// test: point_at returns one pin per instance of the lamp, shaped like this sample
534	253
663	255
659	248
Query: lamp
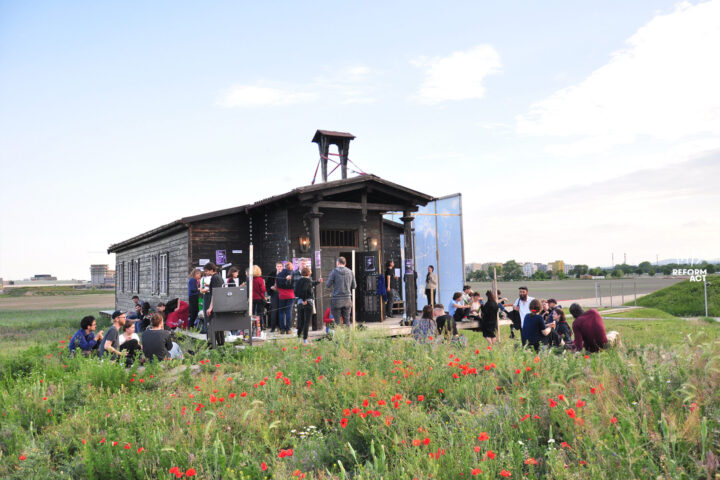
304	244
372	243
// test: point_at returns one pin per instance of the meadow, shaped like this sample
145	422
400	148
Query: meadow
359	407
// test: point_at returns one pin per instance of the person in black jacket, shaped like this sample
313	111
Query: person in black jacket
216	281
303	290
489	318
562	333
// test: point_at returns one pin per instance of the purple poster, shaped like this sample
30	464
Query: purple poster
318	260
409	270
220	257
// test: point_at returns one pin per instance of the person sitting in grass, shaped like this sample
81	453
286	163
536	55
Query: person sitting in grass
534	329
588	329
86	340
111	342
130	342
157	342
562	333
424	329
458	309
445	323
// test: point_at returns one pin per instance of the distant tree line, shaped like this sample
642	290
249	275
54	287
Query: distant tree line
511	270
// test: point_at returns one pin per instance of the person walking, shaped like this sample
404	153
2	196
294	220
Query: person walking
342	282
489	318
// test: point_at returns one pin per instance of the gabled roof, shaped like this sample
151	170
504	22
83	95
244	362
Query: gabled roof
408	196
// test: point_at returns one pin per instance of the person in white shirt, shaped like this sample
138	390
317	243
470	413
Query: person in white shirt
522	304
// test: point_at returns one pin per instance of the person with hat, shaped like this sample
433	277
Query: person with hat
111	342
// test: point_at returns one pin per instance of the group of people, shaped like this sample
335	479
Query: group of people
540	321
122	341
274	297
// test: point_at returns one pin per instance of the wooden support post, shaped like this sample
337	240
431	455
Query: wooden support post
316	269
410	287
353	292
494	290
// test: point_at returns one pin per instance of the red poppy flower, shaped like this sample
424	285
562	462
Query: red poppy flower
127	446
343	422
191	471
477	449
140	450
483	436
570	412
114	443
505	473
22	458
531	461
561	397
421	398
593	390
426	441
263	466
475	471
102	440
416	442
613	420
580	403
491	455
552	403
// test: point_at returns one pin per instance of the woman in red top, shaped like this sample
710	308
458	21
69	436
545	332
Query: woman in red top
258	296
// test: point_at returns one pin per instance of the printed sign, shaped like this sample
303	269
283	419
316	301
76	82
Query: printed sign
318	260
409	269
370	264
203	261
220	257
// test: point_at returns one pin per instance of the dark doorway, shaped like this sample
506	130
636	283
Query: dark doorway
348	260
367	274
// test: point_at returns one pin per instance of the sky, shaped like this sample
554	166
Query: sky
573	130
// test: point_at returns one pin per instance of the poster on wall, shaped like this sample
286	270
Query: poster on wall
369	264
318	260
220	257
409	270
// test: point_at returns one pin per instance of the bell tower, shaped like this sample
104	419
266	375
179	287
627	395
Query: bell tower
325	138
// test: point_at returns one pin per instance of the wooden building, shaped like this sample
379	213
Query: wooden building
320	222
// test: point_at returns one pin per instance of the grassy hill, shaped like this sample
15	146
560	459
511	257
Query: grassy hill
685	299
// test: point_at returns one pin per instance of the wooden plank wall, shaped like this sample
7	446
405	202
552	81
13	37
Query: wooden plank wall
230	232
270	235
176	246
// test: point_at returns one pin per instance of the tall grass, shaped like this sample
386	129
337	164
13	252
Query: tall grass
368	408
685	299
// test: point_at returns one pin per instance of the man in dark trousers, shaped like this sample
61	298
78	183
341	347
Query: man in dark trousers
216	281
342	283
389	277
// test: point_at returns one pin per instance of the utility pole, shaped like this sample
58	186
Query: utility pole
705	284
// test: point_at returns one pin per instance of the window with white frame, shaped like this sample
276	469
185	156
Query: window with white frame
163	271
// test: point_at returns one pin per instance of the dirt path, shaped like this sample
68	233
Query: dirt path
100	301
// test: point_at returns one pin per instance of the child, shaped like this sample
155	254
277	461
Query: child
328	320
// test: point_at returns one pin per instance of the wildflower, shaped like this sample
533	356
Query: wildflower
263	466
102	440
561	397
613	420
505	473
232	395
243	394
344	422
426	441
114	443
565	445
531	461
140	450
477	449
552	403
127	446
22	458
517	372
416	442
440	390
388	420
191	471
483	436
44	398
491	455
593	391
475	471
580	403
421	398
570	412
693	406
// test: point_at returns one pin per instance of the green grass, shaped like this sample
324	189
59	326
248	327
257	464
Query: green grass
642	313
52	291
63	414
685	299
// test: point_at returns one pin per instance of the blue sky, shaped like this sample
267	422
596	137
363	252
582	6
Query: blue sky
573	130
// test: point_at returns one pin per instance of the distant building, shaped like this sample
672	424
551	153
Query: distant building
489	266
43	277
101	276
471	267
541	267
557	267
568	268
528	269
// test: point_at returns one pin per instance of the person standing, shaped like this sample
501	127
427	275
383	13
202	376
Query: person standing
216	282
274	297
489	318
194	296
303	290
522	304
286	297
342	282
431	283
233	277
389	277
258	285
111	342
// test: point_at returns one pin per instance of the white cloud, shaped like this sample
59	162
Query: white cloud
458	76
261	95
352	84
664	86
